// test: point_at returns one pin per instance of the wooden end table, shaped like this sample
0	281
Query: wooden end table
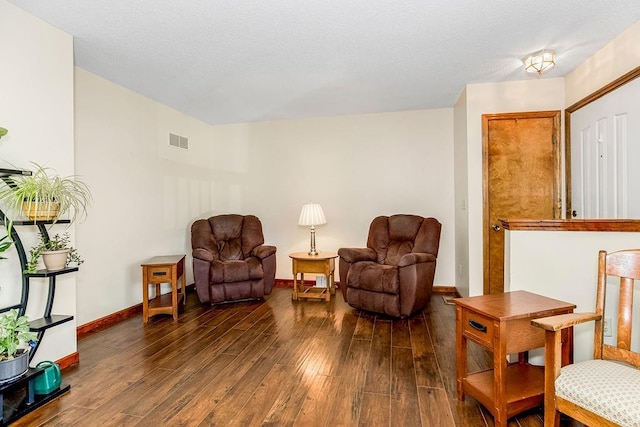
501	323
323	263
163	269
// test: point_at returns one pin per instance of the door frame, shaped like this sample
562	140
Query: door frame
557	175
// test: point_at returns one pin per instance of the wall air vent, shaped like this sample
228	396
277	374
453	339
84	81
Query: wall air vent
178	141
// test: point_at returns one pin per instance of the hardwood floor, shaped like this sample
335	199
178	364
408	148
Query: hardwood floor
277	362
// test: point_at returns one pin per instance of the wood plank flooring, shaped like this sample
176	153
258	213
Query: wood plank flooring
275	362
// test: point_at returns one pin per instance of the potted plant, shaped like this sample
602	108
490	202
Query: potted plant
15	341
57	253
43	195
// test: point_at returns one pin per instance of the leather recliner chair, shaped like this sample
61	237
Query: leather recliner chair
394	274
230	260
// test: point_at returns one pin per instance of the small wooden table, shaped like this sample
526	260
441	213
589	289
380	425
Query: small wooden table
502	323
323	263
163	269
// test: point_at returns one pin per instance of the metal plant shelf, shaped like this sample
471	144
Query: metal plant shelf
38	325
27	222
8	412
51	273
12	409
9	172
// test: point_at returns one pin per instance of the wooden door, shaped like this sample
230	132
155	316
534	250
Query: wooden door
521	179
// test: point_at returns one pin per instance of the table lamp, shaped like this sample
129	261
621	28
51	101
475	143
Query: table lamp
312	215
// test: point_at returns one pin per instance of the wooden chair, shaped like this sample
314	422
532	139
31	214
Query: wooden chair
604	391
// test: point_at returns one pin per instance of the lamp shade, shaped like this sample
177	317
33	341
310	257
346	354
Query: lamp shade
312	214
540	62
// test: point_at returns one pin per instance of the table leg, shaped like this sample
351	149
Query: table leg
183	287
145	295
461	351
500	375
294	294
333	282
523	357
174	292
327	296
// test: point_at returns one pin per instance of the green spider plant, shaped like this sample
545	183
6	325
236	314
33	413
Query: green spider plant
49	192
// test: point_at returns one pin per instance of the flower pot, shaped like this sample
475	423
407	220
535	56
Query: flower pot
55	260
13	368
40	211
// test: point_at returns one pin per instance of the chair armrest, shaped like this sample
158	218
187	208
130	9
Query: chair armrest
352	255
556	355
203	254
263	251
562	321
414	258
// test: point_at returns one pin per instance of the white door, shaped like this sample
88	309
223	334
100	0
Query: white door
605	154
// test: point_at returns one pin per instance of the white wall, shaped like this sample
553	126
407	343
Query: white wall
37	107
356	167
489	98
147	193
618	57
461	195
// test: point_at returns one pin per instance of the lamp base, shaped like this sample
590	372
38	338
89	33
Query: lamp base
313	251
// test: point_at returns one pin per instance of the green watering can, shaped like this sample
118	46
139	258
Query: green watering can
50	378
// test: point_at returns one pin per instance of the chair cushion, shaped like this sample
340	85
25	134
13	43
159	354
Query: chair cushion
371	276
608	389
236	270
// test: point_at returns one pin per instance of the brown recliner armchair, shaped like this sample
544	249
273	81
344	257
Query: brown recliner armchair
230	260
394	274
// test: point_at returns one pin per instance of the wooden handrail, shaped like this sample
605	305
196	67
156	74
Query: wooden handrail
610	225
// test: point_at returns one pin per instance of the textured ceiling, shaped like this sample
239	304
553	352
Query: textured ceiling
248	60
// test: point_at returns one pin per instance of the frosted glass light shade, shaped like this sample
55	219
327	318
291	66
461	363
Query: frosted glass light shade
312	214
540	62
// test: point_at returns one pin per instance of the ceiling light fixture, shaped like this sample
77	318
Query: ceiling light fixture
540	62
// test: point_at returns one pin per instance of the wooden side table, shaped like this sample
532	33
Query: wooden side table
502	323
163	269
323	263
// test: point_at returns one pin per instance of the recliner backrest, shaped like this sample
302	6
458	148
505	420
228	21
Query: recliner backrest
395	236
228	237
